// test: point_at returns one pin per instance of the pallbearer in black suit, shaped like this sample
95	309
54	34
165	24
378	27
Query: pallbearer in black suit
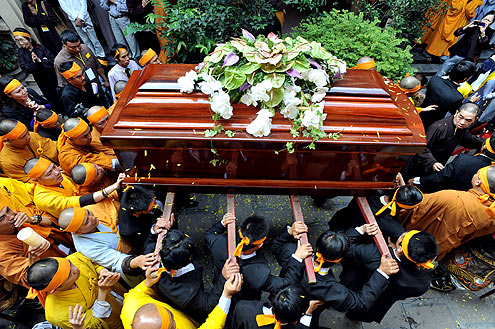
289	308
253	264
182	282
330	248
414	251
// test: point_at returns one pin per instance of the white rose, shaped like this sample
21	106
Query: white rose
186	85
220	103
262	125
318	77
319	94
210	86
192	75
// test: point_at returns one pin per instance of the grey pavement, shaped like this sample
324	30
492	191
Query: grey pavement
433	310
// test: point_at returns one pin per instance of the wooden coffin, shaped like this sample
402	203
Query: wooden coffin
158	134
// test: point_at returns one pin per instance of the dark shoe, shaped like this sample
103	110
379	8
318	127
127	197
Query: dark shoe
443	284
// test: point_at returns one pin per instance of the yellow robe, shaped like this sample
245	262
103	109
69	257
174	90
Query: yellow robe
106	210
54	199
459	13
85	294
97	146
141	295
12	159
70	155
452	217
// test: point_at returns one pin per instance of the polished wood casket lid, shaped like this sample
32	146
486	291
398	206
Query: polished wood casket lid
158	133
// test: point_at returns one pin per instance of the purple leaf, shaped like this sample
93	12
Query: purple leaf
230	59
294	73
315	64
244	86
200	66
248	35
337	74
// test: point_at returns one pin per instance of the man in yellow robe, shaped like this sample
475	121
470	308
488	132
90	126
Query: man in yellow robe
455	217
458	14
98	118
54	191
19	145
60	283
74	147
142	309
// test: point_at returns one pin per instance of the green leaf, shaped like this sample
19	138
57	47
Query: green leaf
268	68
248	68
277	80
317	51
230	133
233	79
290	147
301	64
214	162
276	96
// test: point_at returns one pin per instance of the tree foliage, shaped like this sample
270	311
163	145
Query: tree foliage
8	54
349	36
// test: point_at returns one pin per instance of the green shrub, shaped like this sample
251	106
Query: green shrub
349	37
8	54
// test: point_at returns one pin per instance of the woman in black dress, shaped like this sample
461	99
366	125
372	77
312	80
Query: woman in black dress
37	60
20	103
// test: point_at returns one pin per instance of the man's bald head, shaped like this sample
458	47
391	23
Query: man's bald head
470	108
6	126
30	164
490	176
78	174
71	123
92	110
409	82
364	59
65	218
148	317
119	86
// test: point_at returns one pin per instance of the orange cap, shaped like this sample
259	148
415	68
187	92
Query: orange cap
148	56
72	71
11	86
52	119
22	34
364	66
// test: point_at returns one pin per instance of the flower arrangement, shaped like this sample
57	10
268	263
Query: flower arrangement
290	76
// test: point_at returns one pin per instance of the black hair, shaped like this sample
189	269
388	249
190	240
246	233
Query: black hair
492	144
489	13
332	245
255	228
177	250
471	107
65	66
41	273
462	71
4	99
43	114
137	199
409	195
422	247
290	304
422	79
69	36
23	30
115	47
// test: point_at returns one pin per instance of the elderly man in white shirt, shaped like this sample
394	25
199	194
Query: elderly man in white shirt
123	69
77	11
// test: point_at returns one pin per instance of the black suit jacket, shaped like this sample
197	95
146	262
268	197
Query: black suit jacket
441	92
351	216
327	288
456	175
255	270
244	317
187	293
362	261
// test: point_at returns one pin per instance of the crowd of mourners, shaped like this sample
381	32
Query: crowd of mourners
99	254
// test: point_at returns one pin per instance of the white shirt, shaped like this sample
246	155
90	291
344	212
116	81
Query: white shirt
75	9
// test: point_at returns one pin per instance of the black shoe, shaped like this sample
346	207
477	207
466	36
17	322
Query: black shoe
443	284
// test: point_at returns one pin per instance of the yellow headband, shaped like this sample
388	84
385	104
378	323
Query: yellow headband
77	131
165	317
411	90
394	204
22	34
39	168
245	242
11	86
266	319
52	119
98	115
405	249
118	51
90	173
321	260
72	71
488	145
15	133
364	66
58	279
77	220
148	56
482	174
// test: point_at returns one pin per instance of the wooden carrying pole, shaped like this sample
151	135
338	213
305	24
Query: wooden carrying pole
298	217
167	212
370	219
231	240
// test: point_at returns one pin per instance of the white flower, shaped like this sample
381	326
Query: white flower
191	75
208	87
246	99
186	85
262	125
318	77
260	92
319	94
314	117
291	110
220	103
